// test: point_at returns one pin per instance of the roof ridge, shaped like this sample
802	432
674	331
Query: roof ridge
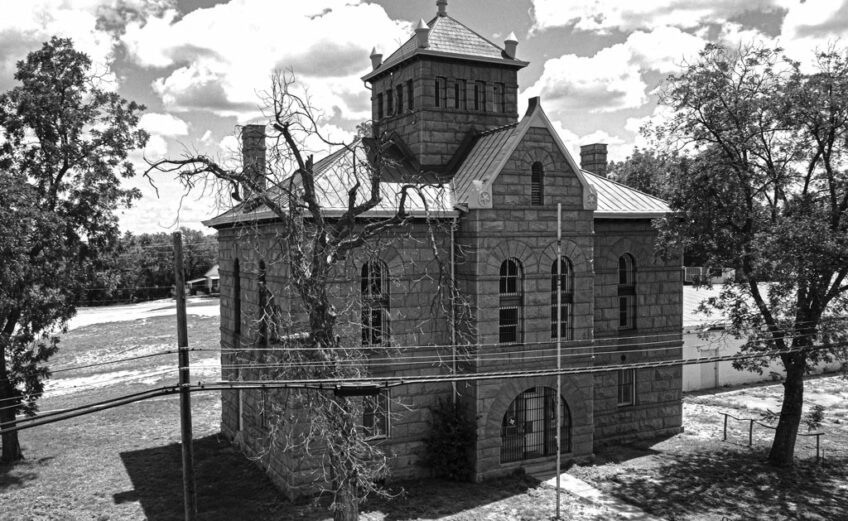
604	178
497	129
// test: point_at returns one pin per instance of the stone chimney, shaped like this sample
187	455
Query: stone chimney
511	45
442	5
422	33
594	158
253	152
376	59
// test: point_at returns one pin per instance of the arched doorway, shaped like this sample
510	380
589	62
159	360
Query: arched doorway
528	429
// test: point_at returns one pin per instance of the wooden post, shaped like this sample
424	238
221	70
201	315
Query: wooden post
750	433
189	492
818	445
724	437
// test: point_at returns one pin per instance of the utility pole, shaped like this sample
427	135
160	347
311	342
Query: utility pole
189	492
559	356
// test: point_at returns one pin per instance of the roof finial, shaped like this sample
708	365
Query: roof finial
443	7
510	45
376	58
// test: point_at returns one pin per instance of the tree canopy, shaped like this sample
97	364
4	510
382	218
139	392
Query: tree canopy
766	193
63	152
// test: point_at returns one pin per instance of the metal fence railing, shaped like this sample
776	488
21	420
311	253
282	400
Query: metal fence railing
752	421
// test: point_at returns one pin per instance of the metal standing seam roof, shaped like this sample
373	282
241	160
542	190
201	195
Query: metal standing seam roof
335	176
616	200
448	36
487	151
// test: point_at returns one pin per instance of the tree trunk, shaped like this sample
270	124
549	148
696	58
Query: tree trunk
783	448
347	504
11	448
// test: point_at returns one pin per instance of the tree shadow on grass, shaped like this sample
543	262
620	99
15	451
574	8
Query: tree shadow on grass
15	475
433	498
229	486
736	484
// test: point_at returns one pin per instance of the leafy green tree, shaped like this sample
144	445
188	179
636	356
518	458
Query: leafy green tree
64	150
767	194
647	170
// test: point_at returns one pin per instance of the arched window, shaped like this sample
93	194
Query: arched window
537	184
626	292
566	284
529	426
375	303
511	293
236	298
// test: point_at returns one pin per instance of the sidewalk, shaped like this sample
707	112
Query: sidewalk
588	493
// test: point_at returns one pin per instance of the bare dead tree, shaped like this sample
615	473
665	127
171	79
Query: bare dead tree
313	338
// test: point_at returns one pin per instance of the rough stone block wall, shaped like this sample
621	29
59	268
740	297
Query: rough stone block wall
656	335
417	318
515	228
434	134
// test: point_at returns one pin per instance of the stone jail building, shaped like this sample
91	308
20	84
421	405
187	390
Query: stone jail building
447	98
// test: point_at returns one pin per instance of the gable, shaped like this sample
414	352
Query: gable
473	181
537	155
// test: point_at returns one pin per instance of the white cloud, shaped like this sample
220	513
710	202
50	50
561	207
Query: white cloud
613	79
156	148
627	15
225	54
163	124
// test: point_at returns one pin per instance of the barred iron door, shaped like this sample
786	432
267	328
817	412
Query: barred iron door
529	426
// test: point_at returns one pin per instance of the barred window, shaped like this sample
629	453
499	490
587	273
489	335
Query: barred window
511	294
529	426
566	285
390	107
375	415
375	303
410	95
441	92
379	106
626	292
626	387
399	95
500	97
459	94
480	95
537	184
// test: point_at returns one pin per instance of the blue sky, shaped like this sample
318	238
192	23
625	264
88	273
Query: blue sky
200	65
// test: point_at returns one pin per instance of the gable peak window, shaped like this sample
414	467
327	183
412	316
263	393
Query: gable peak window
626	292
374	291
511	302
537	184
566	303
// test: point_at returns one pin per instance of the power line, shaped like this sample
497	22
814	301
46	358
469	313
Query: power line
391	381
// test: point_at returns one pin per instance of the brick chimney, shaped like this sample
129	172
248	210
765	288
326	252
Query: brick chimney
594	158
253	152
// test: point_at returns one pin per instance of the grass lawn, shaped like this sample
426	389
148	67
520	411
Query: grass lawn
696	476
124	463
